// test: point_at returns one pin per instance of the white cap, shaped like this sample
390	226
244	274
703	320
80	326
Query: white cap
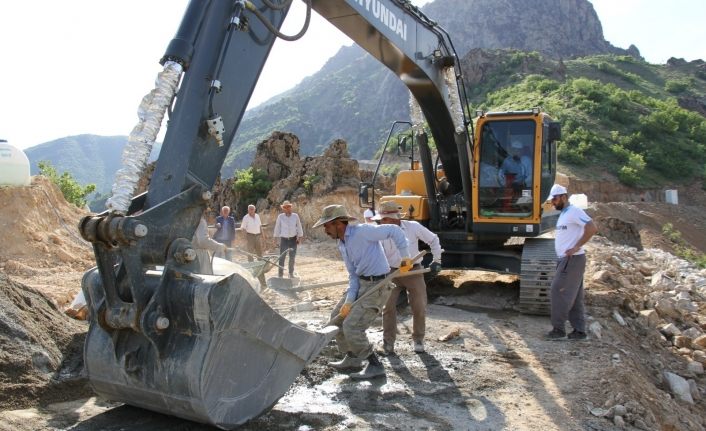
556	191
516	144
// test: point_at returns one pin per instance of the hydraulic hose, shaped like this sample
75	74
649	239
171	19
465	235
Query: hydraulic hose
251	7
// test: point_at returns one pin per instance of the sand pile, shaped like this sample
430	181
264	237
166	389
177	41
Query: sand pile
41	246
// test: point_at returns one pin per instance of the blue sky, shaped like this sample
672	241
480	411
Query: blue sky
82	66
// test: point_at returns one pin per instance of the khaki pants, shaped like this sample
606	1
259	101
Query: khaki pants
351	338
417	297
254	246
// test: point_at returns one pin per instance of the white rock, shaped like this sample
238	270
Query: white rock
595	328
619	410
683	295
670	330
666	308
694	389
599	412
618	318
304	306
679	387
695	367
648	318
686	306
661	280
693	333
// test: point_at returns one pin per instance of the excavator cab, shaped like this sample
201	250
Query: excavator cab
514	166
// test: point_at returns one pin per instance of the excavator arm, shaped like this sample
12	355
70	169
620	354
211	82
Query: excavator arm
207	348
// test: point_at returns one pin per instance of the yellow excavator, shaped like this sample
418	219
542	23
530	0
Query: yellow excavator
165	337
488	213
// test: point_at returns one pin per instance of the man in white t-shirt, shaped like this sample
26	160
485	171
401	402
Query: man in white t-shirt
573	229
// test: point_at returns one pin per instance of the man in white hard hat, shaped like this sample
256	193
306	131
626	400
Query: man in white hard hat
389	213
573	229
365	261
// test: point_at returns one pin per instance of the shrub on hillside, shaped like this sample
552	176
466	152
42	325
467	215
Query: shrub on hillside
73	192
250	185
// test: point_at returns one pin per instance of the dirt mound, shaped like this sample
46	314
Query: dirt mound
41	245
639	224
41	348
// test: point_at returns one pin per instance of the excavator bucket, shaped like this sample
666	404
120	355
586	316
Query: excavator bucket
226	356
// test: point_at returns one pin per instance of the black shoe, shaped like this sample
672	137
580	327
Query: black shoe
577	335
556	334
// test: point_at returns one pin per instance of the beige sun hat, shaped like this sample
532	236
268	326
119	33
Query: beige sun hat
333	212
388	209
286	204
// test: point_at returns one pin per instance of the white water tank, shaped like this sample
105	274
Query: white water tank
580	200
14	166
671	196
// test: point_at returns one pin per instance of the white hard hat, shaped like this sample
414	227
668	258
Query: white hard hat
556	191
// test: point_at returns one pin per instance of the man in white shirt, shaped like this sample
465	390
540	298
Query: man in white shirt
252	226
573	229
288	228
389	213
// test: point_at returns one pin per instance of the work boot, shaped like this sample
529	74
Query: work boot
577	335
347	363
372	370
556	334
419	346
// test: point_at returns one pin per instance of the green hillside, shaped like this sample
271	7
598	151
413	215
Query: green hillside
90	159
620	116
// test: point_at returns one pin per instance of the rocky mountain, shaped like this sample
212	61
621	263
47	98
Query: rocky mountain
555	28
353	97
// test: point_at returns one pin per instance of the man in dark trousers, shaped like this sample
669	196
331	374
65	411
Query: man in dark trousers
225	230
573	229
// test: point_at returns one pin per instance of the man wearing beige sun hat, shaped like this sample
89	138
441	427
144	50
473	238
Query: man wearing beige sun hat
359	245
288	228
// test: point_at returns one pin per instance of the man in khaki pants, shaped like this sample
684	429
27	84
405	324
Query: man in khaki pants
359	245
389	213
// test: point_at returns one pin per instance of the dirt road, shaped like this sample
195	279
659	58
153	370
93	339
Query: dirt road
497	373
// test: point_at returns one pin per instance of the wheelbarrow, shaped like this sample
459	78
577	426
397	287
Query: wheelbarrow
262	264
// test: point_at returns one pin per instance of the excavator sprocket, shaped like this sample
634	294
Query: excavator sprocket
228	356
536	274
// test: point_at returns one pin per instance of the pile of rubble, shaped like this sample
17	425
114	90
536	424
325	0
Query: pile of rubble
659	302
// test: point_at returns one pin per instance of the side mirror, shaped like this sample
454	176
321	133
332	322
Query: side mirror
365	198
554	131
402	146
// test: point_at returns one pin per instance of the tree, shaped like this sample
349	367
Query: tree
72	190
250	185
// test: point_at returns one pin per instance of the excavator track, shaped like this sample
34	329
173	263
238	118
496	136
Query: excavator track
536	274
